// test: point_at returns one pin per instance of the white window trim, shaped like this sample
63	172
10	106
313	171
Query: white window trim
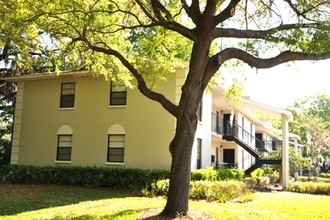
62	161
117	106
61	109
114	163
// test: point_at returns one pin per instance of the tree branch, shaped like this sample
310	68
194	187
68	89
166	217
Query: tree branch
228	12
303	13
193	11
160	98
165	22
260	34
262	63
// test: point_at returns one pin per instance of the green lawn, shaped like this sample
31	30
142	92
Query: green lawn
68	202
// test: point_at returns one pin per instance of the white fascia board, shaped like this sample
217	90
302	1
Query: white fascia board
49	75
277	112
279	131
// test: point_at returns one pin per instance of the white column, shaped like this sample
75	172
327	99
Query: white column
285	151
296	174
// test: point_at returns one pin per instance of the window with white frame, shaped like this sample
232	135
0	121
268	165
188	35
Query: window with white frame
67	95
118	94
116	148
199	153
199	111
64	147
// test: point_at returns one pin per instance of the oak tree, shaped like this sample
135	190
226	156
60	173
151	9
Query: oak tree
142	39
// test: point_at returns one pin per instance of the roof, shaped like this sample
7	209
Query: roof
48	75
254	105
278	112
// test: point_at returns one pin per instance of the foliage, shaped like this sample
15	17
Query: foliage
296	161
309	187
269	175
221	191
325	175
104	36
312	123
212	174
122	178
6	120
314	179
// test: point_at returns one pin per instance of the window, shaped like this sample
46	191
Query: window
199	111
64	146
116	148
67	95
118	94
199	153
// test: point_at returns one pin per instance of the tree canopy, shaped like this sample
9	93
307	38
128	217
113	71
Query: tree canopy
143	39
312	123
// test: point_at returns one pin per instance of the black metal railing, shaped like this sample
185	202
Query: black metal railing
247	160
217	124
243	135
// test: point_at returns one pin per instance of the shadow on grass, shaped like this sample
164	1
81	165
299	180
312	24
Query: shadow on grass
118	215
18	198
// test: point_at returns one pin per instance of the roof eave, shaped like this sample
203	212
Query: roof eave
48	75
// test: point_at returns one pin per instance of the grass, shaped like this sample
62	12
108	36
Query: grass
69	202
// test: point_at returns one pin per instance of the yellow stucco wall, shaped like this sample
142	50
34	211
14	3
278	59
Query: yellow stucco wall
148	127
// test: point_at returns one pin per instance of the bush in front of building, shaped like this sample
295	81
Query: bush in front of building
212	174
122	178
220	191
320	188
313	179
325	175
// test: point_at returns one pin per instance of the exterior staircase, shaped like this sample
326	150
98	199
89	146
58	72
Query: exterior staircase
259	164
231	134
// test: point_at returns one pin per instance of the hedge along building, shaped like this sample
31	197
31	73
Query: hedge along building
79	118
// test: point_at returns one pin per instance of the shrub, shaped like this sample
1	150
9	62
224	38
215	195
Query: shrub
313	179
309	187
258	172
221	191
229	174
325	175
265	176
212	174
204	174
124	178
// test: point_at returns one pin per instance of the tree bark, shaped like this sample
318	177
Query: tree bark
181	149
182	144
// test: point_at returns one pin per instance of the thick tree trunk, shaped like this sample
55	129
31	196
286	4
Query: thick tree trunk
181	149
182	144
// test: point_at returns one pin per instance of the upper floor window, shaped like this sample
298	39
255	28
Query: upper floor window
118	94
67	95
64	146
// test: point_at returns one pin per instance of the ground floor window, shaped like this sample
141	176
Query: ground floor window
199	154
64	147
116	148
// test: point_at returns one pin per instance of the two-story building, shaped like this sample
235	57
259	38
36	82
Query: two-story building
79	118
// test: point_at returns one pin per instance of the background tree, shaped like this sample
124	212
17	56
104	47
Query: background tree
312	123
296	161
118	38
6	121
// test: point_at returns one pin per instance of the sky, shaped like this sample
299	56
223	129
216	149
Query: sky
280	86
